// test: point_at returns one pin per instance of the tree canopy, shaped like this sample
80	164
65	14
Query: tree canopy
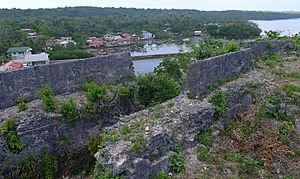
81	22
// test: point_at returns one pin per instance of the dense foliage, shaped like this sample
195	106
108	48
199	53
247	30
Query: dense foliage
22	104
175	67
234	30
212	47
11	137
156	88
48	100
177	162
95	92
81	22
49	165
68	110
70	52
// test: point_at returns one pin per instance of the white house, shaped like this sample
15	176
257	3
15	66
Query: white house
108	37
63	41
32	35
147	35
35	59
198	33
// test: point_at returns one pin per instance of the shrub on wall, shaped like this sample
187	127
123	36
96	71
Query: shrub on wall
48	100
175	67
153	89
231	46
218	100
177	162
27	167
49	165
95	92
12	139
68	110
211	47
22	104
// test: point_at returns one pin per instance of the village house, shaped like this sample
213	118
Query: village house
126	36
108	37
34	59
116	37
147	35
17	53
22	56
32	35
123	41
11	65
95	42
198	33
63	41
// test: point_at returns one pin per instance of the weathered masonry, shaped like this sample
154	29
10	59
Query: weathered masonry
63	77
204	72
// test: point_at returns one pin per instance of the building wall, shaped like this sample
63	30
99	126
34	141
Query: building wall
63	77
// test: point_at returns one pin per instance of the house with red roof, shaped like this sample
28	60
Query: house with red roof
95	42
11	65
123	41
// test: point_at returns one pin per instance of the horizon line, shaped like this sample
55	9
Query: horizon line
64	7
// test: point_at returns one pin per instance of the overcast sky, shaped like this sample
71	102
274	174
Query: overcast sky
272	5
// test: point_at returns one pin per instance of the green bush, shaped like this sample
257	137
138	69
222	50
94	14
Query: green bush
49	165
232	46
11	137
177	162
68	110
27	167
235	157
104	172
208	48
93	144
174	67
126	129
161	175
206	138
95	92
285	129
153	89
230	126
69	54
139	143
204	155
123	94
22	104
251	166
48	100
218	100
291	88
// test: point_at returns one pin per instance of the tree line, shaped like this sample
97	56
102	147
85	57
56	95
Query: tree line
82	22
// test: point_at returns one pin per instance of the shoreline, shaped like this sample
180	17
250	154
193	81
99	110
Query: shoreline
144	57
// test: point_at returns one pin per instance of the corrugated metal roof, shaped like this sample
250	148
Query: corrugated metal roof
18	49
36	57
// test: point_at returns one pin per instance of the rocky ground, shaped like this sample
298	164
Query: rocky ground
264	141
261	142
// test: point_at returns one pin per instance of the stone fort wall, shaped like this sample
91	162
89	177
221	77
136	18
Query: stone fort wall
64	77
